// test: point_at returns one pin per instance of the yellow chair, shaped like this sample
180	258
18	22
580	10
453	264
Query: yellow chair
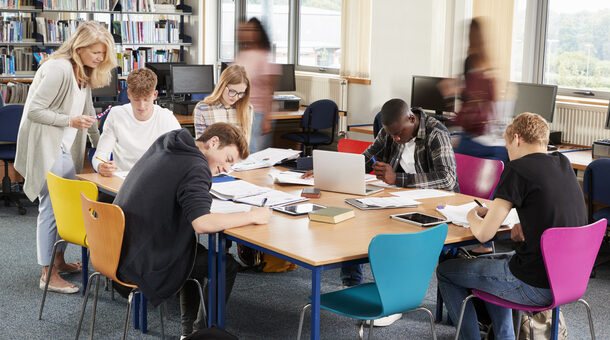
65	198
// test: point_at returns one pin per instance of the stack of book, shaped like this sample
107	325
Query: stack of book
16	29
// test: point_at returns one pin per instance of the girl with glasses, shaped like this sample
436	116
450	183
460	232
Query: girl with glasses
229	103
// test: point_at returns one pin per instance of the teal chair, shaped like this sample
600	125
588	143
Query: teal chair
402	265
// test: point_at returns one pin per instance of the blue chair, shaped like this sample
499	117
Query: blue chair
10	117
402	265
596	185
321	114
123	99
377	126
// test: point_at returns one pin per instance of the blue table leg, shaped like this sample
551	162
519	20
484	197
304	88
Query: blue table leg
84	269
316	274
135	309
143	318
212	274
222	258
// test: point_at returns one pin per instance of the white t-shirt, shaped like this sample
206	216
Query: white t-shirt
78	105
407	158
128	138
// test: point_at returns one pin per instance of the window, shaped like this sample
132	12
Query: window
570	49
302	32
274	16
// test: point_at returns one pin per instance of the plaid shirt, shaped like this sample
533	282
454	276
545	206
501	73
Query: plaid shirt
434	159
206	115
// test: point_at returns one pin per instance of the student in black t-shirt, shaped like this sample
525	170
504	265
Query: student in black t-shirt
544	190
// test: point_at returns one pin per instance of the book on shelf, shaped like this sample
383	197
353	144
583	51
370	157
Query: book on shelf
131	59
147	32
79	5
16	29
331	215
17	4
15	92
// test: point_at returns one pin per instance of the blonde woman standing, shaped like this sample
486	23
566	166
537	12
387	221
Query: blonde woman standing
229	103
57	117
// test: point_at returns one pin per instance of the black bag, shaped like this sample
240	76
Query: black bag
212	333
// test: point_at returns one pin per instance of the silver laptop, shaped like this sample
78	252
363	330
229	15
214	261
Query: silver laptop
340	172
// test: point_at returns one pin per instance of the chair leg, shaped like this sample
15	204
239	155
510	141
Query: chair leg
459	324
49	272
129	302
361	329
82	312
590	318
161	320
517	324
301	320
200	290
371	326
97	288
431	320
532	326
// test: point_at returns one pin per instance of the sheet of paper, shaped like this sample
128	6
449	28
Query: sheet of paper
266	158
121	174
291	177
383	184
387	202
274	198
419	194
228	207
457	214
236	189
370	177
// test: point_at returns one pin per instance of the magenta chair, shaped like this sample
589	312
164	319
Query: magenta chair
478	176
569	254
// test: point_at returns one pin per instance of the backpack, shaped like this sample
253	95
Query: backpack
262	262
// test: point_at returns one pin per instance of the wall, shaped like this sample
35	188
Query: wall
400	47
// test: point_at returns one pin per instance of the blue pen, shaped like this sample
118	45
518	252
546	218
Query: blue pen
374	160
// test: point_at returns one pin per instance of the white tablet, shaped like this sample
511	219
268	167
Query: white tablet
419	219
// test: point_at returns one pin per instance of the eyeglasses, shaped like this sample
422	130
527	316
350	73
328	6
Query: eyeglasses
233	93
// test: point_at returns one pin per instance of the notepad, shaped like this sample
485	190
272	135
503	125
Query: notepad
233	190
122	174
291	177
228	207
388	202
266	158
418	194
457	214
274	198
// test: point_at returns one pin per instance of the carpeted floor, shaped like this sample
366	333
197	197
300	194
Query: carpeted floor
262	306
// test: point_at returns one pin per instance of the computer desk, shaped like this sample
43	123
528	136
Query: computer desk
320	246
580	156
277	115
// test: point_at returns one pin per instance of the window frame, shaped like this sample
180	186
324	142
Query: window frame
541	14
294	7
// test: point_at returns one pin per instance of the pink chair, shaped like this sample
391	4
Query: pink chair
478	176
352	145
569	254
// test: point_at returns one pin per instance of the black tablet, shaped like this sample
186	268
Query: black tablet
419	219
299	209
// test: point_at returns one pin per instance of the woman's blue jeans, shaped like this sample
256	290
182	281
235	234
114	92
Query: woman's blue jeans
490	274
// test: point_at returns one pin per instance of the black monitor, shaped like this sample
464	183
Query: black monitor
188	79
162	70
224	65
286	81
110	90
426	95
535	98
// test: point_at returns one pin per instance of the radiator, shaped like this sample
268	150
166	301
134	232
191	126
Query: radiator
581	124
311	88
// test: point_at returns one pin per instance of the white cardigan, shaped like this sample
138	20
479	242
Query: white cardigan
45	115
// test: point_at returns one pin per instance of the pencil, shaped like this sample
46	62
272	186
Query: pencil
264	201
374	160
478	203
105	162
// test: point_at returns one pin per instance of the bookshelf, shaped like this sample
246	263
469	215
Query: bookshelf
143	31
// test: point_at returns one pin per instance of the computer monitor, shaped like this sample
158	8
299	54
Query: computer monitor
608	117
224	65
189	79
286	81
535	98
425	94
162	70
110	90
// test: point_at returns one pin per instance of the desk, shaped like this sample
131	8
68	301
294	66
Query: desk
366	129
279	115
321	246
579	158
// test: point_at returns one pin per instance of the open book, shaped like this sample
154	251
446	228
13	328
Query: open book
457	214
266	158
233	190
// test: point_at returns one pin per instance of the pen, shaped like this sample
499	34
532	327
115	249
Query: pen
264	201
478	203
100	115
105	162
374	160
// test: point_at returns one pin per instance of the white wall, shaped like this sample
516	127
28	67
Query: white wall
400	47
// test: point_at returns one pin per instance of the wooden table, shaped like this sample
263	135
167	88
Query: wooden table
580	156
320	246
366	128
